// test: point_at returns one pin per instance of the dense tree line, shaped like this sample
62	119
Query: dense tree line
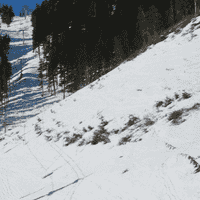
5	73
7	15
84	39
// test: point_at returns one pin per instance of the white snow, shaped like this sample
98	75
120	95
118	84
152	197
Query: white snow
155	166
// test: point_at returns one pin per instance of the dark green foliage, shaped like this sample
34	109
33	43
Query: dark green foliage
48	138
159	103
82	142
96	38
39	120
175	116
100	136
125	139
186	95
170	146
84	129
7	14
48	130
38	129
116	131
167	101
73	139
5	74
148	121
164	103
176	96
90	128
193	162
124	171
104	123
132	121
195	106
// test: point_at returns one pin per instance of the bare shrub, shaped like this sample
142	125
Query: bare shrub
90	128
159	103
125	139
175	117
176	96
82	142
73	139
186	95
167	101
38	129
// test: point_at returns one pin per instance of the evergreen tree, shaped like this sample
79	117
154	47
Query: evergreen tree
40	75
7	14
5	74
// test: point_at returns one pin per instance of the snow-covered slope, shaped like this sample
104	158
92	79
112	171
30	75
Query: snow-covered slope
25	93
160	142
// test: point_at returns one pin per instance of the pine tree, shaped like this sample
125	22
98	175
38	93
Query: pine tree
7	14
41	76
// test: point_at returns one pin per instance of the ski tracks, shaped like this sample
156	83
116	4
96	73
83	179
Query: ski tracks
167	183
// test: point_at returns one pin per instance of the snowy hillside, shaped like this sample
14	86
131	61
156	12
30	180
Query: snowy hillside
25	93
134	134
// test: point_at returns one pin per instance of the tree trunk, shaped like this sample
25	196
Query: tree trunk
87	75
42	83
42	89
54	86
39	51
64	87
196	7
57	82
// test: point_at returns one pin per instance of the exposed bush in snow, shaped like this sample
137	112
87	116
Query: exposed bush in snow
100	136
116	131
125	139
84	129
176	96
124	171
148	121
195	106
159	103
90	128
48	130
48	138
38	129
73	139
58	123
193	162
175	116
186	95
164	103
82	142
39	120
57	137
170	146
132	121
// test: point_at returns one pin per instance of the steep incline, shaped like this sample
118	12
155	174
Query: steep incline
25	97
134	134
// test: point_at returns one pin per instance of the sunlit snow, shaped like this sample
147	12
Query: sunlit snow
155	164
